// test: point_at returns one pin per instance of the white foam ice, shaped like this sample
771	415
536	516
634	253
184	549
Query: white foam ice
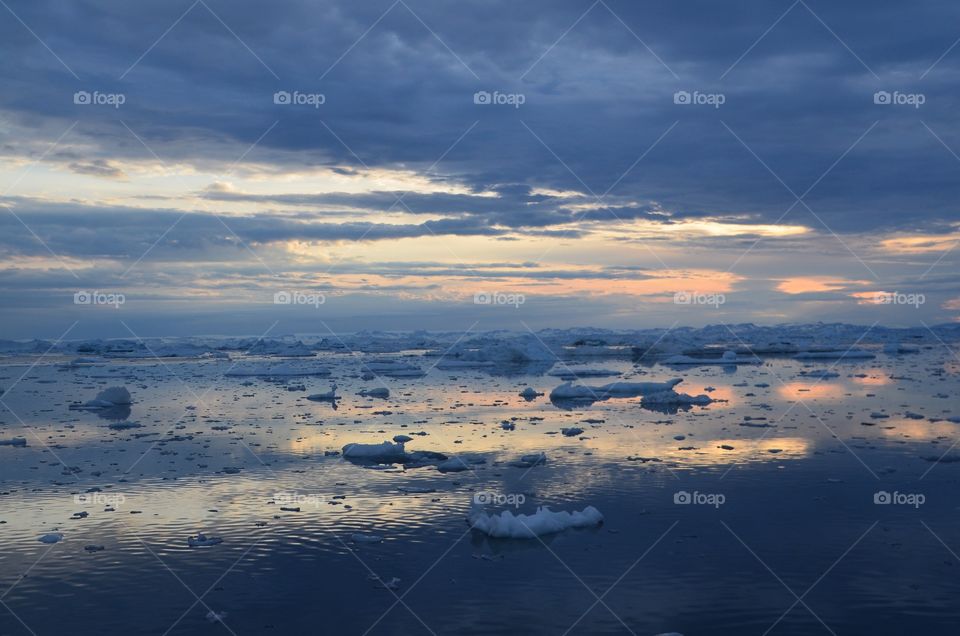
544	521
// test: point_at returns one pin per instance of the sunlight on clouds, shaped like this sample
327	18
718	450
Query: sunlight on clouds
922	244
810	284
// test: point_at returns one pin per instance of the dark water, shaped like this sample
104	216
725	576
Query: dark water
797	546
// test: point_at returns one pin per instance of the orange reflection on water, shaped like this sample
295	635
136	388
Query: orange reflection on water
810	389
873	377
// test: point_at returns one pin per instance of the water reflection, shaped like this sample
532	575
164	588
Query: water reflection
222	456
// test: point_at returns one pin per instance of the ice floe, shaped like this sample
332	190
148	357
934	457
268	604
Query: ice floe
327	396
729	358
544	521
835	355
285	369
570	391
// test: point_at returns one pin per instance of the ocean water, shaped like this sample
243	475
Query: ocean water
785	507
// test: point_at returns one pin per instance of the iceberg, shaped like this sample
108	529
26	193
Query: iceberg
385	452
107	399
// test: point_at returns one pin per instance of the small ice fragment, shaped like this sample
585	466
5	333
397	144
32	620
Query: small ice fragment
53	537
202	540
216	617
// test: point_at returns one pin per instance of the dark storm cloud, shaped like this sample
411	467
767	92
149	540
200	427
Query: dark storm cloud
594	104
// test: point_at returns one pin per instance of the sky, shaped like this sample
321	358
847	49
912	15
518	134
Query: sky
211	167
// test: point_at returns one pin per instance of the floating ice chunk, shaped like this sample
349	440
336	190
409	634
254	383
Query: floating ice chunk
573	431
508	526
507	425
216	617
123	426
202	540
669	398
82	362
385	452
528	461
392	584
573	373
402	439
823	374
108	398
580	392
328	396
457	464
529	393
453	363
276	370
893	348
14	441
379	392
393	369
53	537
834	355
728	358
357	537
